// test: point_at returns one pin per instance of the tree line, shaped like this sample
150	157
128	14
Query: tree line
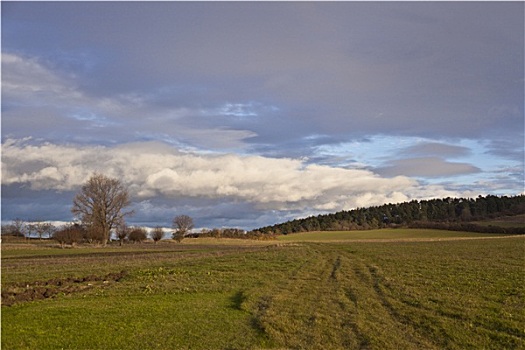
100	208
77	233
447	213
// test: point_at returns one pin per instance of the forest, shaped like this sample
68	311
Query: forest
457	214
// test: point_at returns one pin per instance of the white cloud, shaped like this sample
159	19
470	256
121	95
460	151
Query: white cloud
152	169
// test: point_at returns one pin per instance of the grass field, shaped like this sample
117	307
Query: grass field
505	221
388	289
379	235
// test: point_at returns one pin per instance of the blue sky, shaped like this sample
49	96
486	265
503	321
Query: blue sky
244	114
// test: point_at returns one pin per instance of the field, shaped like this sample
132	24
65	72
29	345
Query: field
383	235
505	221
385	289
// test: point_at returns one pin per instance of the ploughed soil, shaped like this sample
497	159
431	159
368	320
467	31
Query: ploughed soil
23	292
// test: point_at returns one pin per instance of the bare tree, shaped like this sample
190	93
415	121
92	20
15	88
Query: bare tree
11	230
30	229
100	203
122	230
182	225
157	233
18	226
69	234
43	228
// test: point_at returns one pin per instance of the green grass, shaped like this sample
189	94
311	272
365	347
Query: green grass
131	322
404	294
383	234
505	221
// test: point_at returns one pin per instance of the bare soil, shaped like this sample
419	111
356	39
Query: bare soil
24	292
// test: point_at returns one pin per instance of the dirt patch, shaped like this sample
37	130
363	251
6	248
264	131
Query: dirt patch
24	292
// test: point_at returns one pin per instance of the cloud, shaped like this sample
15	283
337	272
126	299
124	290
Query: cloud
20	201
426	167
153	170
26	75
262	106
425	69
508	149
40	102
435	149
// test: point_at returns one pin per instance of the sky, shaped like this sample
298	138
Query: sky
246	114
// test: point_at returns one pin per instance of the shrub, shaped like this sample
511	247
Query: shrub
93	234
178	235
137	234
122	232
157	234
69	235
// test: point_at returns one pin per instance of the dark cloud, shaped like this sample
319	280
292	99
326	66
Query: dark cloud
341	67
19	201
508	148
294	82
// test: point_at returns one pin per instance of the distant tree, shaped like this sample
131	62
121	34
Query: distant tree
182	225
7	230
157	234
19	227
69	234
445	210
100	204
10	230
44	228
177	235
215	232
30	229
122	232
464	211
137	234
93	234
61	236
233	233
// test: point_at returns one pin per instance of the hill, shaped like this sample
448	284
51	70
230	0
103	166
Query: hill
458	214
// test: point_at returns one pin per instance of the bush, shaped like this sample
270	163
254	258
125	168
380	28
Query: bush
157	234
122	232
137	234
69	235
93	234
178	235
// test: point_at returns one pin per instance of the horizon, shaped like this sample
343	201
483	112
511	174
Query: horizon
166	229
248	114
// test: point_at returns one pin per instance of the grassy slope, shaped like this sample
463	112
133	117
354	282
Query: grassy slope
505	221
384	234
378	295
